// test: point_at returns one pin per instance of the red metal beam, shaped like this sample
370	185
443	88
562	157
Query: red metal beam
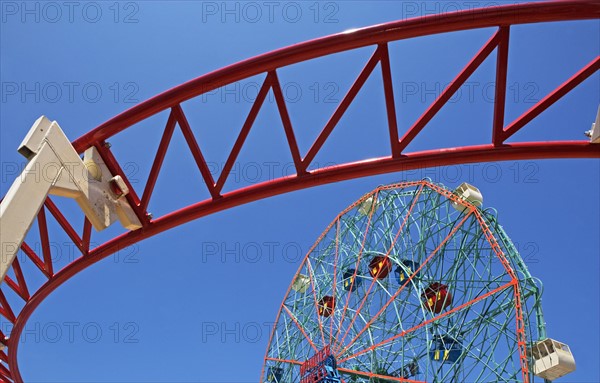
341	109
5	373
443	98
237	147
551	98
36	260
86	236
64	223
6	310
158	161
287	123
24	291
390	103
43	228
195	149
500	97
512	14
14	286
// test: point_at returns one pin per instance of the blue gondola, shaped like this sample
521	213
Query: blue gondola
349	277
445	349
404	271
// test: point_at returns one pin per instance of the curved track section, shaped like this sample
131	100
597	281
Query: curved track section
394	159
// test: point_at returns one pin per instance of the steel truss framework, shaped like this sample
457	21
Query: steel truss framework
382	328
397	159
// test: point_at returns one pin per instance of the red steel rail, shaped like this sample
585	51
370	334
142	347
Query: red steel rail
378	36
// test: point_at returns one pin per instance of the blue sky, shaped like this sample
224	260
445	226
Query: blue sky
195	304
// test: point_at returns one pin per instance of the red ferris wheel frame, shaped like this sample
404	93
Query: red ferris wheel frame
502	17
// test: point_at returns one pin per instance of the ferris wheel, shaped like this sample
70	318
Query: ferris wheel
411	283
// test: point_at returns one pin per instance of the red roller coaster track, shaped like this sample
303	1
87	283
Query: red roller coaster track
502	17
